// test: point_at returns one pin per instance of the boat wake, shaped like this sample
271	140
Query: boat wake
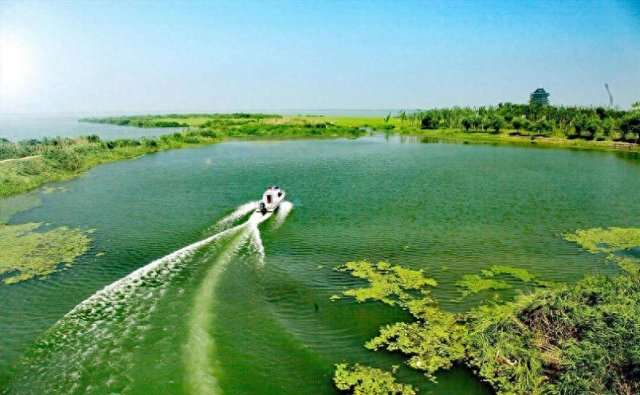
201	369
282	214
95	348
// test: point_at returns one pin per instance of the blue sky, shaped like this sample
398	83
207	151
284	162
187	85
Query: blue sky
137	56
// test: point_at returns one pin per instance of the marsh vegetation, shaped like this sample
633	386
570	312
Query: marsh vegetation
569	339
26	165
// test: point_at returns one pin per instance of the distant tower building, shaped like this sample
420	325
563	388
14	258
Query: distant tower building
540	96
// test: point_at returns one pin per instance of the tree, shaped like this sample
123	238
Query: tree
608	126
543	127
591	128
466	123
579	124
517	124
526	125
429	121
630	127
497	123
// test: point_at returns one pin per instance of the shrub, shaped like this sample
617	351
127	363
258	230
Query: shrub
466	123
497	123
630	137
64	159
543	127
208	133
429	122
630	126
517	124
151	143
590	129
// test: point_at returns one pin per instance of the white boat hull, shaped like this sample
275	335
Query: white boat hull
271	200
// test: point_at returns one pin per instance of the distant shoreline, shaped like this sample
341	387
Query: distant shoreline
26	166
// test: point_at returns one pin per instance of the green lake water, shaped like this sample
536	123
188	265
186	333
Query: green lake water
248	310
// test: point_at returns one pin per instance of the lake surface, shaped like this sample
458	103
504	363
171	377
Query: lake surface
248	312
23	127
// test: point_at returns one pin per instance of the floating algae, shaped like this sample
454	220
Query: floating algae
51	190
474	283
433	341
516	272
605	239
387	283
614	241
367	380
26	253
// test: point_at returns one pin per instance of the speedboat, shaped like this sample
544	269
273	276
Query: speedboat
271	199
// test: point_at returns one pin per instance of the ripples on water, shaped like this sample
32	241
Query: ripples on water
450	209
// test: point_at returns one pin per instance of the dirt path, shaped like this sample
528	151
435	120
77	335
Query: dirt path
17	159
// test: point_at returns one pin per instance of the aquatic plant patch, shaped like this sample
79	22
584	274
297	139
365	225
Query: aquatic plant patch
605	239
485	281
50	190
434	340
570	339
365	380
26	253
474	283
518	273
629	264
387	283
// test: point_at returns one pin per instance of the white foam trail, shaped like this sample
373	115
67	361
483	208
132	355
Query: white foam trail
116	315
122	312
283	212
256	240
201	369
166	262
240	212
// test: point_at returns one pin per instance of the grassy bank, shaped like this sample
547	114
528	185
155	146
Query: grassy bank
506	134
27	165
568	127
511	138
